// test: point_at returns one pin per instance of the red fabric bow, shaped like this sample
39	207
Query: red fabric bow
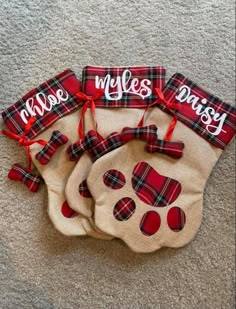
90	103
23	141
170	106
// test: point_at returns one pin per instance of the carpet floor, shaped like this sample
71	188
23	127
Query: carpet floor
39	268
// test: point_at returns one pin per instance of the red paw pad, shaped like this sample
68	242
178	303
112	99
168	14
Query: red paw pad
152	188
176	219
124	209
84	190
114	179
67	211
150	223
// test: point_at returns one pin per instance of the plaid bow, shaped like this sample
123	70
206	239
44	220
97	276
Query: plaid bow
147	133
24	175
76	150
57	139
173	149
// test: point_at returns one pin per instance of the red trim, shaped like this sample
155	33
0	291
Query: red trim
47	103
130	87
204	113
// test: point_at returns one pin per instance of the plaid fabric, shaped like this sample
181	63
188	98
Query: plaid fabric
44	107
124	209
84	190
150	223
204	113
147	133
156	75
176	219
114	179
76	150
57	139
67	211
19	173
110	143
152	188
173	149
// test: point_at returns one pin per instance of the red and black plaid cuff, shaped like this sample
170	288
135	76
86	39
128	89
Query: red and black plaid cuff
49	102
123	86
207	115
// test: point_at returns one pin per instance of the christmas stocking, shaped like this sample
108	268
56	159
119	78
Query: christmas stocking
160	201
127	91
50	112
79	196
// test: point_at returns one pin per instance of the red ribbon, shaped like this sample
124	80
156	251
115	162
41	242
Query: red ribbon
23	141
90	103
170	106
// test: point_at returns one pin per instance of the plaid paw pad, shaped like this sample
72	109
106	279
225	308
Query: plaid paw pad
152	188
150	223
84	190
67	211
124	209
114	179
176	219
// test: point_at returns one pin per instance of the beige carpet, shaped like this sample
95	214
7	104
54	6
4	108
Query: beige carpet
39	268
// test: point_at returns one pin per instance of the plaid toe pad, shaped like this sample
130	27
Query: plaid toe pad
114	179
124	209
150	223
84	190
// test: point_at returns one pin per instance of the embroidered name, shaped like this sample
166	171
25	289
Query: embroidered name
123	84
41	103
207	114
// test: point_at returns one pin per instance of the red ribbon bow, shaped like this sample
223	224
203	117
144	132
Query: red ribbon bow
23	141
170	106
90	103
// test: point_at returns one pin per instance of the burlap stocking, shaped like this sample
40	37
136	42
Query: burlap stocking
127	91
79	197
50	112
160	202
